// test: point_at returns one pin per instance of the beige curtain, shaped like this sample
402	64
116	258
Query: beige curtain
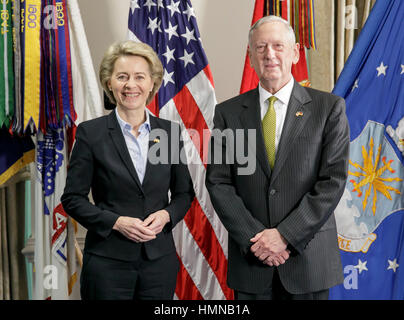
338	24
13	276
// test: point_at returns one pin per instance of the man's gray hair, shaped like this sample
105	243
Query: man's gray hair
268	19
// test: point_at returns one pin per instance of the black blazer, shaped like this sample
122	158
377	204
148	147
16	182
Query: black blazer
100	161
297	197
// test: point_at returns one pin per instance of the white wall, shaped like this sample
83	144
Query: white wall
223	25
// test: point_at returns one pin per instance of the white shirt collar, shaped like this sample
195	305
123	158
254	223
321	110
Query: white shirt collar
283	94
125	125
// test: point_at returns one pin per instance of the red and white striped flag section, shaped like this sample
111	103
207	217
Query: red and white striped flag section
300	14
187	97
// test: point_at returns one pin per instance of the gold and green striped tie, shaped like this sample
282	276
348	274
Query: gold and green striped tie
268	129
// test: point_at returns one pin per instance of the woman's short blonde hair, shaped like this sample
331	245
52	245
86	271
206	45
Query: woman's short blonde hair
128	48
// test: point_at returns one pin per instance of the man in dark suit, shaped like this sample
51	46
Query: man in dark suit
282	231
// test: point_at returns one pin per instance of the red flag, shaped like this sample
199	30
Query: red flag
250	78
299	70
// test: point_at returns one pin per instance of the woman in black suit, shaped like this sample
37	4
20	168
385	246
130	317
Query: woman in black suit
129	249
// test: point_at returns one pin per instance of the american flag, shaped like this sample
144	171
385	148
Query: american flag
187	97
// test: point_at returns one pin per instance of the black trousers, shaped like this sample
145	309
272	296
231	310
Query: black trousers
276	291
104	278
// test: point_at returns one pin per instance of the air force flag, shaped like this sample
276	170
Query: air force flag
370	215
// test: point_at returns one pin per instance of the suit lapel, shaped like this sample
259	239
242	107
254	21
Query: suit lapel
120	145
296	117
250	117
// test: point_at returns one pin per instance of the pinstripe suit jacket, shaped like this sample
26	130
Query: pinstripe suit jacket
297	197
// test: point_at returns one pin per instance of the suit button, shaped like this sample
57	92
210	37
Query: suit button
272	192
140	195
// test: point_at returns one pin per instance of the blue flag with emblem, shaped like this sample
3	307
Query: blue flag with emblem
370	215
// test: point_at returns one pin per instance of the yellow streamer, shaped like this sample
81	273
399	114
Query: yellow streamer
312	35
32	56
